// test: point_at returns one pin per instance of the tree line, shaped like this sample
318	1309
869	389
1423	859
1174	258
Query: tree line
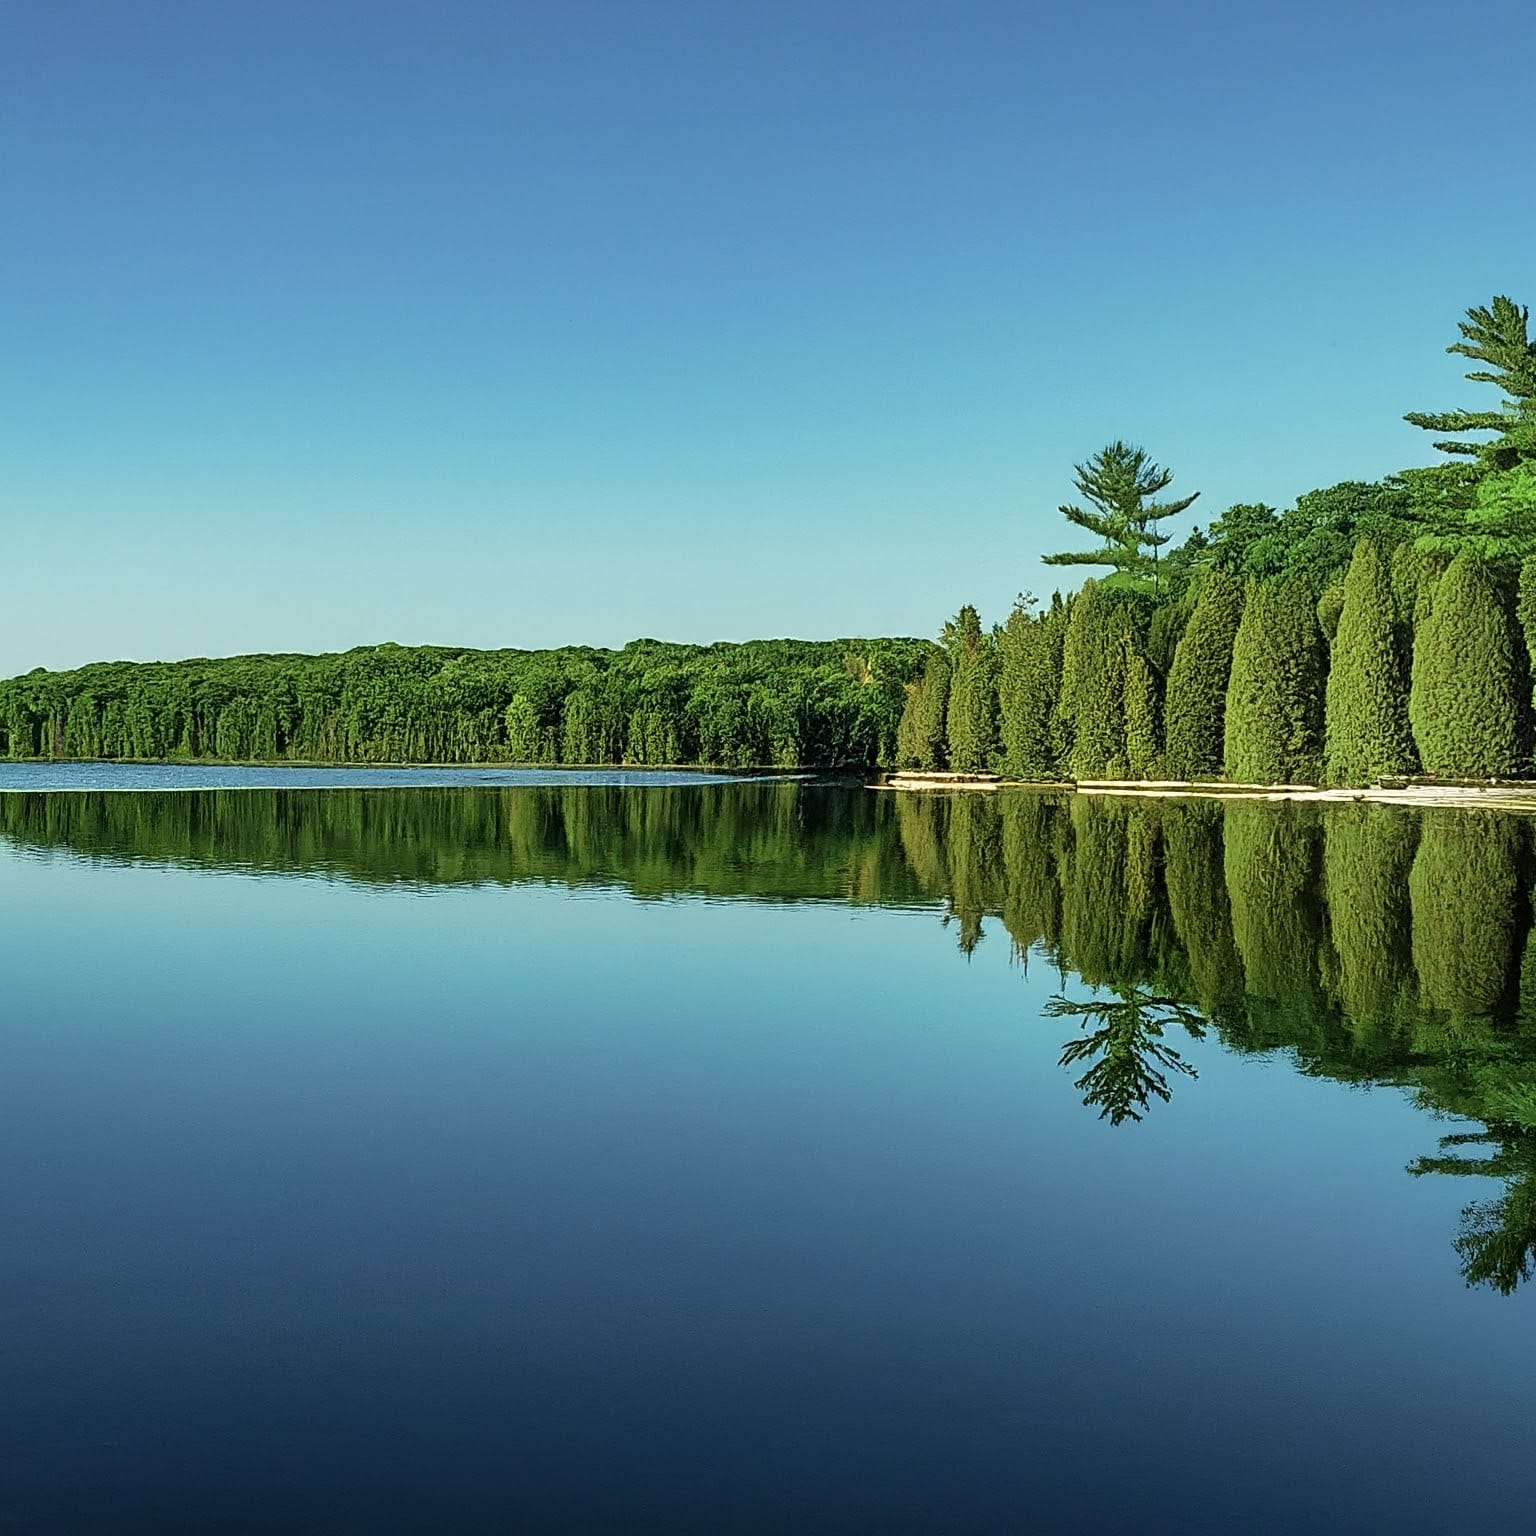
1372	943
1370	631
775	703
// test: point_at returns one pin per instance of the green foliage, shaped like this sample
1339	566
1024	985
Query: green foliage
971	719
1273	726
1118	482
1367	854
1129	1061
1105	627
1143	737
1330	609
1271	861
1029	685
1197	681
1367	734
1316	538
1464	888
766	703
1465	704
1497	336
921	735
1195	880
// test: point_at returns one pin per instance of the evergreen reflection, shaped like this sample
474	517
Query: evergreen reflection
1129	1060
1372	944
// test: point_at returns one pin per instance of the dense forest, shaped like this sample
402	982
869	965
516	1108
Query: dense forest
770	703
1373	630
1372	943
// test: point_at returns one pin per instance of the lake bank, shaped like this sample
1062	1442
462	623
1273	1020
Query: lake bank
1492	796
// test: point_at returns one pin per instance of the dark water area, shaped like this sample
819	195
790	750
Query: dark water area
762	1156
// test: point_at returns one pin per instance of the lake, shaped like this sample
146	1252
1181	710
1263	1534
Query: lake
423	1154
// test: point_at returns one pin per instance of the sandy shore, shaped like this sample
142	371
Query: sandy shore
1509	797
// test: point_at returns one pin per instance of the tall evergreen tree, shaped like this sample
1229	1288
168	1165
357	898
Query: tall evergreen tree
1366	733
1118	482
1465	704
1274	718
1092	710
971	722
1197	682
1525	612
933	713
1029	685
1497	336
1143	733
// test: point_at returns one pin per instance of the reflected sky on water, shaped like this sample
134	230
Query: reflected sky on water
762	1157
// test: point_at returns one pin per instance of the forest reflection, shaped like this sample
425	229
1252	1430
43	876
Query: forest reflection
1372	944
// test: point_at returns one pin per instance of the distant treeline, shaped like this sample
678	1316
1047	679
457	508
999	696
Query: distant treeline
1375	944
1371	630
769	703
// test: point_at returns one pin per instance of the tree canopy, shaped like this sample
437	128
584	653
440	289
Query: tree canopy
1119	482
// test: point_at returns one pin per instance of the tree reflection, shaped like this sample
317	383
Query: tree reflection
1497	1240
1373	944
1130	1061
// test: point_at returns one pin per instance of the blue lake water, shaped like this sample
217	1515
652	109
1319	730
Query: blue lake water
714	1157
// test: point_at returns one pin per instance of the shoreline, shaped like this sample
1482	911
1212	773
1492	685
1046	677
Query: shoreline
1490	796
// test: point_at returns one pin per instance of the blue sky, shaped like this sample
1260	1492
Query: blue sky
330	323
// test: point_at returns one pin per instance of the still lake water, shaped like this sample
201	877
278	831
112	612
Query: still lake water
762	1157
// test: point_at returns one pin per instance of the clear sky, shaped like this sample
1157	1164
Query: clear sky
328	322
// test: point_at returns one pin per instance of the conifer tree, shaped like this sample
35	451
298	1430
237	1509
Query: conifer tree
1465	704
1029	685
1274	712
1118	482
971	721
1143	746
1497	336
1092	712
931	705
1197	682
1525	612
1367	734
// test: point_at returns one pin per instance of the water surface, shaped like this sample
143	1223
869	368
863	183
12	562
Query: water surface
762	1157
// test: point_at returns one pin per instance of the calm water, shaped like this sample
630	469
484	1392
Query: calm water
762	1157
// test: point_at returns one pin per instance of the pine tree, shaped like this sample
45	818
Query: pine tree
1367	734
1274	713
1197	681
1117	482
1499	337
1465	704
1029	685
